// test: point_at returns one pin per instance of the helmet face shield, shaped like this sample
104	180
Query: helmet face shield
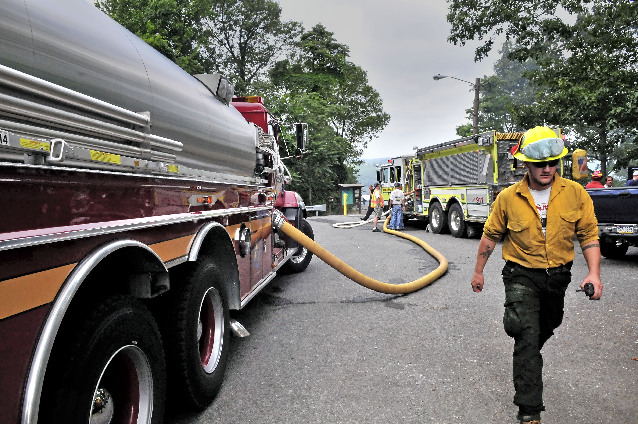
543	149
540	144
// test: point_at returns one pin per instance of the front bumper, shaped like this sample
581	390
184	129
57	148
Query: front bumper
623	232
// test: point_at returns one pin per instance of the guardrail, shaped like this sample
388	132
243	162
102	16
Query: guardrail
316	208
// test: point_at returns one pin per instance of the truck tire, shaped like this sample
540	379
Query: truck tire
300	260
438	219
613	249
456	220
197	335
114	372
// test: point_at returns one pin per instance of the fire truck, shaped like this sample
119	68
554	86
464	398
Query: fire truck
396	170
137	211
453	184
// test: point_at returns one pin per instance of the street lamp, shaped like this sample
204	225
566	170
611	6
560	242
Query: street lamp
476	86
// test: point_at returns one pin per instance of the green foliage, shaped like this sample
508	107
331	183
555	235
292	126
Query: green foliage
506	92
247	36
529	22
466	130
318	85
587	64
324	165
176	28
504	96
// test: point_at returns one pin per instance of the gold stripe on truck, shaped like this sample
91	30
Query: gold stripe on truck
172	249
30	291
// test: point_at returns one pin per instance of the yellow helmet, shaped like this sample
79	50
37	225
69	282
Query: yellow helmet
538	145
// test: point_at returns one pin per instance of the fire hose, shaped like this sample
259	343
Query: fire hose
280	223
357	223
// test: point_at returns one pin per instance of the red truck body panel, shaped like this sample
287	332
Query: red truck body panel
19	335
254	112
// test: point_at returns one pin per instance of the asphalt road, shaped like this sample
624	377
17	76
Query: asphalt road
326	350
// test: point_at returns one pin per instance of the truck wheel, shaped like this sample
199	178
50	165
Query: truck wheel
197	340
613	249
300	260
114	372
438	220
456	221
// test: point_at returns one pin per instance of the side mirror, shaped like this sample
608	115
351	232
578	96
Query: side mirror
301	136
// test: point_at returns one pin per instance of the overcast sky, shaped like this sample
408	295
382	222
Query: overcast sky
401	44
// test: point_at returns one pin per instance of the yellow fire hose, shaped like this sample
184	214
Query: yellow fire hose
280	222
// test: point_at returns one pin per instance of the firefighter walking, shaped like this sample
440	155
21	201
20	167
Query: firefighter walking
537	219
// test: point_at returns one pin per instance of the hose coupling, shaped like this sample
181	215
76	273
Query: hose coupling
278	219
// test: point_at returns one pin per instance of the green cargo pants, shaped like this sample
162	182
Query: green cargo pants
534	303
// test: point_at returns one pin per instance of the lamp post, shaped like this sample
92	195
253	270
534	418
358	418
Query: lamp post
476	86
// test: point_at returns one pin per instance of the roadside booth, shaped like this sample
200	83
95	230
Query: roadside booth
352	194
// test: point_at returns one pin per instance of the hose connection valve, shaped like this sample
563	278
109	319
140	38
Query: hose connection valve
278	219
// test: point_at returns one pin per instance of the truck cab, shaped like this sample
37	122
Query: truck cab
395	170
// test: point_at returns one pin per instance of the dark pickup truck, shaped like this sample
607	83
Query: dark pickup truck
617	213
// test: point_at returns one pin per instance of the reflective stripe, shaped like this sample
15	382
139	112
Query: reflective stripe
30	291
373	199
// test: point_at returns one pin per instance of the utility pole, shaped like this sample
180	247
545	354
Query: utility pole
476	86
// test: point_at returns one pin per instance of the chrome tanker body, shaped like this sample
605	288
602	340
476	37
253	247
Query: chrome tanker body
74	45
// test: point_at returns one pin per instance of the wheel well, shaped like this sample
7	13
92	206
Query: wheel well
454	201
434	201
213	241
130	270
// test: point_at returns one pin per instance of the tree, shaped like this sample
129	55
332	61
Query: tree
503	95
240	38
317	84
587	70
176	28
247	37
